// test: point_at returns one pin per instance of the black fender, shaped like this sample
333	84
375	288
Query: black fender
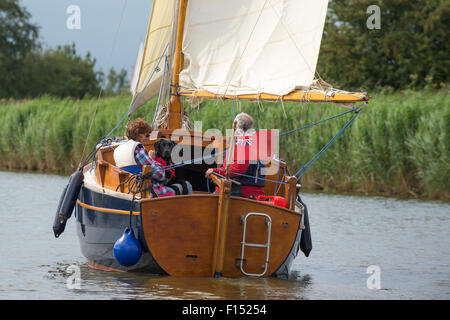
67	202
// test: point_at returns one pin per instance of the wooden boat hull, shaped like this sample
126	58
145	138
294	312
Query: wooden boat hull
101	219
184	236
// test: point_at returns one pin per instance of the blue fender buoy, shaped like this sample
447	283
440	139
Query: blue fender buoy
127	249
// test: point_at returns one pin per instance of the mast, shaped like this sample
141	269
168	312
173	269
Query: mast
176	109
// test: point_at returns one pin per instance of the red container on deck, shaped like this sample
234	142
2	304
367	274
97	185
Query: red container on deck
275	200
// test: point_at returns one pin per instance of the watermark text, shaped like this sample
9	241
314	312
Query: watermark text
73	22
374	280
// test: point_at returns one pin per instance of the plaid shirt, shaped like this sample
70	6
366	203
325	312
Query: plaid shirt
158	173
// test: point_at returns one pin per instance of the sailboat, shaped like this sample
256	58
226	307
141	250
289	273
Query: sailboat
256	50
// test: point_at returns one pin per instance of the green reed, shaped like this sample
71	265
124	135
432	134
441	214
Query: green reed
51	134
398	145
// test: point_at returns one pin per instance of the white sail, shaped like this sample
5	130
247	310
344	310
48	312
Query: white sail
253	46
157	44
136	68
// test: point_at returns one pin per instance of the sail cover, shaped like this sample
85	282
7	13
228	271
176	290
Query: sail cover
249	47
157	45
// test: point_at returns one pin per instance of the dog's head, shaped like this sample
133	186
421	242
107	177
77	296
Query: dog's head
163	149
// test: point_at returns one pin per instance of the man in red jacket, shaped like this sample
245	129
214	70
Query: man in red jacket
247	173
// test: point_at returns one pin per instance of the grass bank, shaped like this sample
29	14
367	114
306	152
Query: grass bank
399	144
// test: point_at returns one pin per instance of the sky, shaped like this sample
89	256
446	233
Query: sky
99	23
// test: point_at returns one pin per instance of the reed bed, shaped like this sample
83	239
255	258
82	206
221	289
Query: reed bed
398	145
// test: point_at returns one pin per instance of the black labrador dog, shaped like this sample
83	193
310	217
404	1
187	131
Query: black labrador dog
163	150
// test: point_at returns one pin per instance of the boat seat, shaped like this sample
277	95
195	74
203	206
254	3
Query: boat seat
106	154
111	177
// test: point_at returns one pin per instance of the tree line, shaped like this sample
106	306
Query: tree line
407	49
26	70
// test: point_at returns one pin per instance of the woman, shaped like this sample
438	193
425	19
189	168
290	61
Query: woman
131	156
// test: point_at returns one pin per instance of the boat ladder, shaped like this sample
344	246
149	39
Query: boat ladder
256	245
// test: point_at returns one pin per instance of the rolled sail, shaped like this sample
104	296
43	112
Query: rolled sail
237	47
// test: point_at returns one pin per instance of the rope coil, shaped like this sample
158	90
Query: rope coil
135	184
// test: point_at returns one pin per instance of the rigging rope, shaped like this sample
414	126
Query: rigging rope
213	156
101	88
304	168
256	177
319	154
160	91
135	183
318	122
146	84
183	163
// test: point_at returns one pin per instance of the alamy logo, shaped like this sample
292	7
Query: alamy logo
374	280
374	20
74	280
73	22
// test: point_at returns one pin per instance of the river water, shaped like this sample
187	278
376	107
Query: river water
363	248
